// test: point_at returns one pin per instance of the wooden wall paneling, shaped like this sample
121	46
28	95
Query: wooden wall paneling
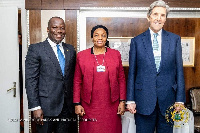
71	27
189	75
76	4
182	26
197	46
197	51
35	26
71	4
185	27
52	4
184	3
33	4
117	27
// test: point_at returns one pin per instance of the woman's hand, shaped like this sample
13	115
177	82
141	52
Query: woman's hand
121	108
79	110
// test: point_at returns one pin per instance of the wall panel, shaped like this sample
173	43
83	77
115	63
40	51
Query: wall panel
76	4
71	27
35	26
33	4
52	4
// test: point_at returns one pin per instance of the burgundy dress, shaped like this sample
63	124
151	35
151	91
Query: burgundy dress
101	114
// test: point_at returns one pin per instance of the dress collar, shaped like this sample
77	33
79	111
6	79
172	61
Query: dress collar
92	51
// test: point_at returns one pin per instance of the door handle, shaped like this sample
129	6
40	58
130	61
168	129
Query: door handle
13	88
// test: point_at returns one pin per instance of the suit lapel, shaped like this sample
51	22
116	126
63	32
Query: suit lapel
164	48
50	53
148	47
68	54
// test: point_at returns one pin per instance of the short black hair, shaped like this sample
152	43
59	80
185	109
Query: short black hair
96	27
49	22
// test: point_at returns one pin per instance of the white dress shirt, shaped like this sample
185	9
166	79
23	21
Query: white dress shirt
159	39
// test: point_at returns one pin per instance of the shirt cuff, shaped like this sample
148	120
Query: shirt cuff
36	108
180	102
129	102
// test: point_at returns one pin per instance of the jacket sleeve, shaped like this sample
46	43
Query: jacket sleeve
132	71
32	65
180	92
121	80
78	81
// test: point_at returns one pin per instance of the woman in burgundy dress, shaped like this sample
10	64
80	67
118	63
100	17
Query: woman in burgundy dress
99	86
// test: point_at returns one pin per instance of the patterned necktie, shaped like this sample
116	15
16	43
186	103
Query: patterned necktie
61	59
156	48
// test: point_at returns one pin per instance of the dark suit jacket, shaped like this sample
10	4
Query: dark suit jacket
45	84
145	85
84	72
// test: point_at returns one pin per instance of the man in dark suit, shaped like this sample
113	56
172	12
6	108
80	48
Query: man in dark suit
155	79
49	72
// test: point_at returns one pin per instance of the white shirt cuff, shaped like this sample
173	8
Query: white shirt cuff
180	102
129	102
36	108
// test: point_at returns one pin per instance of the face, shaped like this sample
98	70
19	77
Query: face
157	18
56	30
99	37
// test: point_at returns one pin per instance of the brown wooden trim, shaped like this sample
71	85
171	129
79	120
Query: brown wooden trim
71	27
35	26
52	4
33	4
76	4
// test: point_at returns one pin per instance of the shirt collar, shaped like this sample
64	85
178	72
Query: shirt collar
53	44
92	51
159	32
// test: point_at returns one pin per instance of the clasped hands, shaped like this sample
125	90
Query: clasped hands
79	110
132	107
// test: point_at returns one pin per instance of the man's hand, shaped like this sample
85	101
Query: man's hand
131	108
121	108
79	110
38	116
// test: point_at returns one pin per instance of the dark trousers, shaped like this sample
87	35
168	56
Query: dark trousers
150	123
65	122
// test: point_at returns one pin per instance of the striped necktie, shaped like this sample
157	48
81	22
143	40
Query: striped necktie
61	59
155	49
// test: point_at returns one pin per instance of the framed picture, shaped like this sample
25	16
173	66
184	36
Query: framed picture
188	51
122	44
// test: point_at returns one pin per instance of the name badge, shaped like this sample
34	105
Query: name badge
101	68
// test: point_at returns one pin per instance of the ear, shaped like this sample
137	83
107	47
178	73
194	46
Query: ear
148	18
47	29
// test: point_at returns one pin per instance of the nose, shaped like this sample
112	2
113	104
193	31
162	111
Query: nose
59	30
159	17
100	37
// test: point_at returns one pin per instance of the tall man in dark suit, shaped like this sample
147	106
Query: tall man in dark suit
155	79
49	72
